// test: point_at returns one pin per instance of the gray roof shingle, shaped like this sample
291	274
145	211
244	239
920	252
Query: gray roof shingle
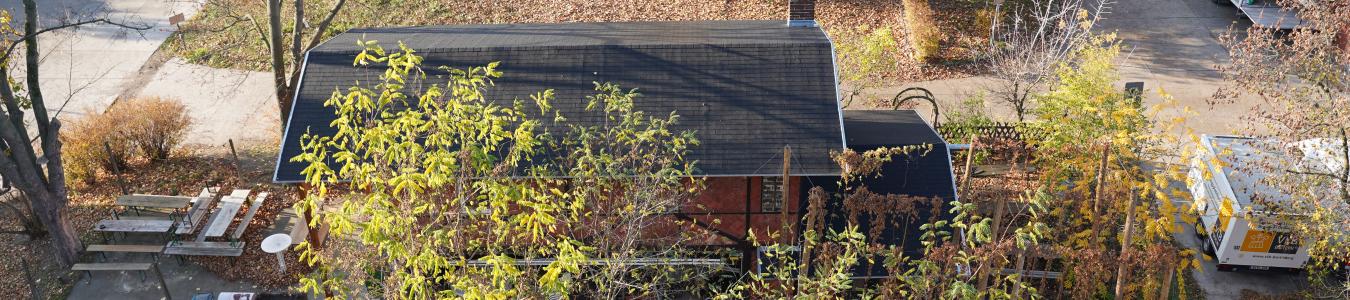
747	88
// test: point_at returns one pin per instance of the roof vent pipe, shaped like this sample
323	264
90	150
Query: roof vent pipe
801	13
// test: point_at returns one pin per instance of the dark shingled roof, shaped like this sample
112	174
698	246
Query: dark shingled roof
919	174
868	128
748	88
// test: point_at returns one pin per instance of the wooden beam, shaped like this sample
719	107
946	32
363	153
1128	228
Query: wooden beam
229	206
142	200
126	248
204	248
248	217
111	267
159	226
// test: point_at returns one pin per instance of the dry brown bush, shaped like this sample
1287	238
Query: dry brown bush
155	125
94	142
923	31
150	127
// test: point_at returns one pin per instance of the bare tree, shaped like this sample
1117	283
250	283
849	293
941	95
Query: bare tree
1300	77
281	67
1024	51
37	171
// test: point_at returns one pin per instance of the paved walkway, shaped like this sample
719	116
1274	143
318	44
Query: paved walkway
183	279
224	104
85	69
1168	44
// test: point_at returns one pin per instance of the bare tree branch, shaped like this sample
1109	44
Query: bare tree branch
1024	54
10	49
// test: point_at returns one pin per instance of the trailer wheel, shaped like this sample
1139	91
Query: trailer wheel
1225	268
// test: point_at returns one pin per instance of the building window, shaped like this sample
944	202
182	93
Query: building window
771	194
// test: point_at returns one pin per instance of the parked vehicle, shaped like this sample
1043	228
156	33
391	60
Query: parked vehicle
1266	13
1235	224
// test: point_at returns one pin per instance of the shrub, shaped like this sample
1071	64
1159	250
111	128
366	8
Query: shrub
923	32
151	126
866	53
94	142
155	126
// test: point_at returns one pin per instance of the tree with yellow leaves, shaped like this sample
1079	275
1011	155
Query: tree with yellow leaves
435	191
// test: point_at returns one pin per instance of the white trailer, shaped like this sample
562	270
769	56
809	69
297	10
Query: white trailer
1225	179
1266	13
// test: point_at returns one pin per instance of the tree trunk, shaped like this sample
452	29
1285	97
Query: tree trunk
1166	292
1126	237
1098	191
278	63
65	241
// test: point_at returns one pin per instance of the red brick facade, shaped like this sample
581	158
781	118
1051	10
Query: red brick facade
728	204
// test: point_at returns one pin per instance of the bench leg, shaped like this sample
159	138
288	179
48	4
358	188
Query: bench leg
103	255
91	277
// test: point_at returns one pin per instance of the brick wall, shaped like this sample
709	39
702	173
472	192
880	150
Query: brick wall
732	205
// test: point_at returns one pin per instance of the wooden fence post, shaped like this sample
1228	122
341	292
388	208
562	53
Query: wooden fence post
117	170
1125	246
236	158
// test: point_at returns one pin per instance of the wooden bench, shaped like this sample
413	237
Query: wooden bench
157	201
205	248
220	221
102	249
248	217
89	268
154	226
200	206
129	218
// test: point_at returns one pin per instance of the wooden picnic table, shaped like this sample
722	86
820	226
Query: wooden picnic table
154	226
229	206
156	201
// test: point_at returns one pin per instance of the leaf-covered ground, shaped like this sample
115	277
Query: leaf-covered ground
184	174
232	33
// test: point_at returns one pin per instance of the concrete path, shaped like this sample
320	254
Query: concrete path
183	279
1174	45
224	104
1168	44
85	69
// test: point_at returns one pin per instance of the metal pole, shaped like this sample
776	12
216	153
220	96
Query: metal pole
281	261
